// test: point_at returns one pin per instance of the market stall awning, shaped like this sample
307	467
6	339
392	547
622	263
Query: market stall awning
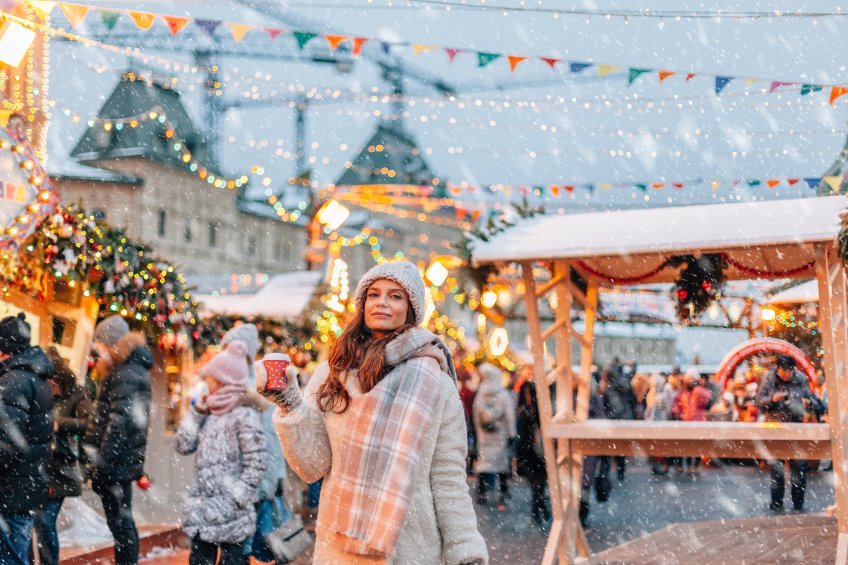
284	297
760	239
800	294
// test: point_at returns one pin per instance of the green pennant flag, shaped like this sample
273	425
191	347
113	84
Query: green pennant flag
110	19
484	59
634	74
641	186
303	38
755	182
808	88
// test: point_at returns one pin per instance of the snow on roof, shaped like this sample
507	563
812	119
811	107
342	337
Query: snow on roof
284	297
802	293
627	242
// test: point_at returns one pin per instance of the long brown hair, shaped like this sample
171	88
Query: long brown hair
357	348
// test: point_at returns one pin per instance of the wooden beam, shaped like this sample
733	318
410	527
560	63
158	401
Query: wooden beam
549	331
557	546
586	351
577	294
830	273
545	288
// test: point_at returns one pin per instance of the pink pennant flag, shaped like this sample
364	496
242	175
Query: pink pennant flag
273	32
452	53
775	85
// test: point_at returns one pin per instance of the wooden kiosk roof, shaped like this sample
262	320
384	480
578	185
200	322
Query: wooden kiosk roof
773	236
773	239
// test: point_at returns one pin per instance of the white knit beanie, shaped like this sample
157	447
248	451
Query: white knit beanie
229	367
248	334
406	275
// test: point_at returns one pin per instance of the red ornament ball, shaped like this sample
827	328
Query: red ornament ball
682	294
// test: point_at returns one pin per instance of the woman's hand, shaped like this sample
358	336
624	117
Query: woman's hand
290	397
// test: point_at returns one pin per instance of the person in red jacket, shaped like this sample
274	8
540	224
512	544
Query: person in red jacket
691	405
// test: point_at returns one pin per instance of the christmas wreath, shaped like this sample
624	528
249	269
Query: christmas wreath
699	283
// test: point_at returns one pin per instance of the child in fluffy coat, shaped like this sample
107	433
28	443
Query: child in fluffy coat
230	461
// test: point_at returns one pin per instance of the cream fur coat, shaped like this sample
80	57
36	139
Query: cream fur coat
440	526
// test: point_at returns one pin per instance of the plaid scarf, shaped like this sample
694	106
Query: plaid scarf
372	487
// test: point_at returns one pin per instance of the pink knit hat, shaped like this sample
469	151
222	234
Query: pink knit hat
229	367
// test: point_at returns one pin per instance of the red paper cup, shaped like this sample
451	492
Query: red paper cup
275	365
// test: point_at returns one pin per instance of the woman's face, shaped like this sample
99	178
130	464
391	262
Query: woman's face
386	307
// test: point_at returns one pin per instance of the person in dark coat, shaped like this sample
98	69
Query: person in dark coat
785	396
529	456
26	430
117	434
71	410
619	404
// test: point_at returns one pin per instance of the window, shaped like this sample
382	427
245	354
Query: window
213	234
187	230
99	214
163	218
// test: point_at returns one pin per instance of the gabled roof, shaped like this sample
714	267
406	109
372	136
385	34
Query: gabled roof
391	150
772	236
133	98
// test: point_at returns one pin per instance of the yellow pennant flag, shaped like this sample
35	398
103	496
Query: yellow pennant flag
606	186
715	184
143	20
43	7
75	14
752	80
604	70
833	182
418	48
238	31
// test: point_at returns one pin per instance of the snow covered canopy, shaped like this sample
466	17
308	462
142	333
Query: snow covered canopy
284	297
800	294
760	239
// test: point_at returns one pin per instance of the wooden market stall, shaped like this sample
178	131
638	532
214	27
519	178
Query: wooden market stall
761	240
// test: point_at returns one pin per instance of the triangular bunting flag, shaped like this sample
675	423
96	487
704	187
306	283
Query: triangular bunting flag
75	14
657	185
677	184
335	40
484	59
451	53
514	61
836	92
238	31
665	74
834	182
715	185
208	26
273	32
143	20
771	183
641	186
551	62
358	42
812	182
418	48
808	88
720	83
175	23
754	182
590	187
634	74
109	19
604	70
606	185
569	188
554	189
303	38
44	8
792	182
689	76
578	67
775	85
752	80
475	215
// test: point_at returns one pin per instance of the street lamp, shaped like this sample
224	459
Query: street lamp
331	215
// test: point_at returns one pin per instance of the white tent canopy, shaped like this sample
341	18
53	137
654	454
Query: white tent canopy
800	294
757	237
284	297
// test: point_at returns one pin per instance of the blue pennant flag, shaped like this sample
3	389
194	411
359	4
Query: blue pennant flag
579	67
813	182
209	26
720	83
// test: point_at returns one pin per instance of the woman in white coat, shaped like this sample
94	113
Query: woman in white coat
383	425
494	420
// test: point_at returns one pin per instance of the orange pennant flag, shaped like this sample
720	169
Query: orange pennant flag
837	91
418	48
514	60
175	23
665	74
554	189
238	31
143	20
771	183
358	42
75	14
335	40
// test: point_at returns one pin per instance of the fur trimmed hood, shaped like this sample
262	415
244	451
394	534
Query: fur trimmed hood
121	352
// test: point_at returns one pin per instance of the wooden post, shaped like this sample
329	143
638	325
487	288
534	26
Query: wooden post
557	547
830	273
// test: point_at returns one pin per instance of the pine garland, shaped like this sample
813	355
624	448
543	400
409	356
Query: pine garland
698	285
